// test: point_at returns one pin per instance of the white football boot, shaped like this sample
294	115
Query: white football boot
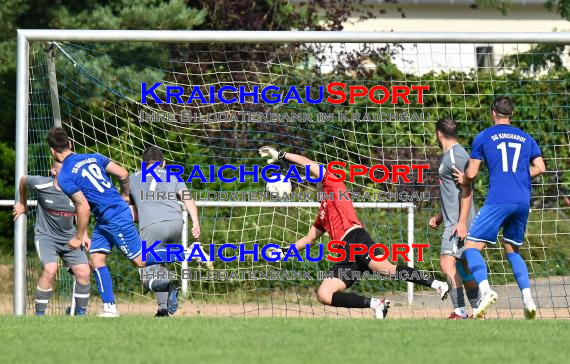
381	311
109	310
488	298
530	311
442	289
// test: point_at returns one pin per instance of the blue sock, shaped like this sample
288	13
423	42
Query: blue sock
465	277
476	264
104	284
520	270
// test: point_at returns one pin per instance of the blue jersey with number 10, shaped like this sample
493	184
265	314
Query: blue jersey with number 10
507	151
86	173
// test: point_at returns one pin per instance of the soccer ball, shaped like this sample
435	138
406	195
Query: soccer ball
281	187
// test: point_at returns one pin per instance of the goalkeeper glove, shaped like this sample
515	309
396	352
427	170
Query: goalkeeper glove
281	251
273	154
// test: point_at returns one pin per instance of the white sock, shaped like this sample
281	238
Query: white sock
375	302
484	287
461	311
527	297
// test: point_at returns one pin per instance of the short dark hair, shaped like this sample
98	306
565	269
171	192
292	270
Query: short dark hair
58	139
503	105
153	154
447	127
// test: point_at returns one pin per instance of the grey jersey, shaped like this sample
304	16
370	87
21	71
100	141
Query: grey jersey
450	191
55	210
152	209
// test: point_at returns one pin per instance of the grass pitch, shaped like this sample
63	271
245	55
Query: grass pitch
280	340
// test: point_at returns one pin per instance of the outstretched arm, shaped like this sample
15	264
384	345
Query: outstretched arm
123	175
303	161
297	159
300	244
308	239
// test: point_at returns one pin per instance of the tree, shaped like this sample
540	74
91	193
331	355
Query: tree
561	7
136	14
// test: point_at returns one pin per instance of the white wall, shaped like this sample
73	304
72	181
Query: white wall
456	18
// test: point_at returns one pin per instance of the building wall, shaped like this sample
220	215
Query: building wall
460	17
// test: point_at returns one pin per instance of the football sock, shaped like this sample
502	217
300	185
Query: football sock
457	298
520	270
162	300
461	311
473	296
81	296
42	299
476	265
104	284
349	300
465	276
162	297
413	275
156	284
484	287
527	297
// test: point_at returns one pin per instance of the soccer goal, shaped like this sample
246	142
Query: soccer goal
90	82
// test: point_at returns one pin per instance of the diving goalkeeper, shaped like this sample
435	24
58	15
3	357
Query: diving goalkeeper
338	218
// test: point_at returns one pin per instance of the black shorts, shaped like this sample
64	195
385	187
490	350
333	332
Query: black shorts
345	270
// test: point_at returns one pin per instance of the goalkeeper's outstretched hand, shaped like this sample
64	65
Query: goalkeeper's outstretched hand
273	154
282	251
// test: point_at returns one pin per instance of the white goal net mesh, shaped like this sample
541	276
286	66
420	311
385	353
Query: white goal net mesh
99	87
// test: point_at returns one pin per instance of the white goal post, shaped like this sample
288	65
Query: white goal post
24	36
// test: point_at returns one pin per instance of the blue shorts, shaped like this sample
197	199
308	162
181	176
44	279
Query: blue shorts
120	232
491	218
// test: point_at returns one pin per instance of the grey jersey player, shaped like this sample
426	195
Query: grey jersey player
53	228
451	195
457	213
160	218
154	202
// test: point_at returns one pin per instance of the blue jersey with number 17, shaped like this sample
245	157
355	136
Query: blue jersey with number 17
86	173
507	151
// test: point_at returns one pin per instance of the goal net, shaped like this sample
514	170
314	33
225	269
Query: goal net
94	90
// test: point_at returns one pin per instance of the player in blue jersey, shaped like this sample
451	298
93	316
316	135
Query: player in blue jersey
513	158
83	177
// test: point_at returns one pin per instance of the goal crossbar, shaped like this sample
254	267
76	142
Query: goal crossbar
244	36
